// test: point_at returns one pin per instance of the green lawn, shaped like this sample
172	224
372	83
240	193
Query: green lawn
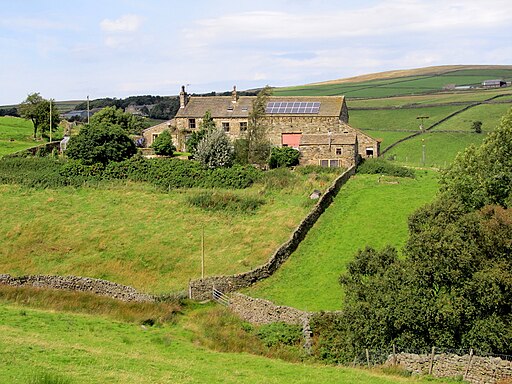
15	135
136	235
365	212
86	349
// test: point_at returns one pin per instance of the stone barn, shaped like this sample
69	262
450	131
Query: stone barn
315	125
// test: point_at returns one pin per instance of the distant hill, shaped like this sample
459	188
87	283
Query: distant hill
434	70
418	81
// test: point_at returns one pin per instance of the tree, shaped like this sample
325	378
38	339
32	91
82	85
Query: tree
477	126
37	109
258	146
100	143
115	116
163	144
215	150
207	126
483	175
283	157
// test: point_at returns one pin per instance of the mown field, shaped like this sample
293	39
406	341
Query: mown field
365	212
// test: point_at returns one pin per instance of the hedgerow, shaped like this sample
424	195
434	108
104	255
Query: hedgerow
384	167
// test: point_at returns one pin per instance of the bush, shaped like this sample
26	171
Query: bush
100	144
215	150
381	166
163	144
280	333
283	157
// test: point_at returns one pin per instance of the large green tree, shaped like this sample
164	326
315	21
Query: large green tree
100	143
453	286
37	109
115	116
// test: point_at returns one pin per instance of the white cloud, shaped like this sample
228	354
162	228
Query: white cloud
126	23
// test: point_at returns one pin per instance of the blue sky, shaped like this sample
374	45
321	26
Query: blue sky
70	49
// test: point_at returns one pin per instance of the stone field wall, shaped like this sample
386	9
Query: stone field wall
202	289
474	369
81	284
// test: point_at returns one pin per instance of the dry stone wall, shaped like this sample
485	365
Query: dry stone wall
474	369
81	284
202	289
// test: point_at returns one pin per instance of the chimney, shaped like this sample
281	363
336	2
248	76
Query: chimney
183	97
234	96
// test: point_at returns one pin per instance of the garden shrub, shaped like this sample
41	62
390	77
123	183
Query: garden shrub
283	157
163	144
384	167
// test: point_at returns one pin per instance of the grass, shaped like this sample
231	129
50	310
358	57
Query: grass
407	85
365	212
135	235
15	135
489	114
401	119
440	148
64	347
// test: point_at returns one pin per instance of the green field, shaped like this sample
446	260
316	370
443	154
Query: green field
489	114
406	85
365	212
400	119
90	349
15	135
136	235
440	148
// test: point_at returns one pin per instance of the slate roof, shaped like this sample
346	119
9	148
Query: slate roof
323	138
223	107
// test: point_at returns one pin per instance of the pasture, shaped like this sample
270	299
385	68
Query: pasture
365	212
15	135
135	234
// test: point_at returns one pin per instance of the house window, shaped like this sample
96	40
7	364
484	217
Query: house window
331	163
369	152
338	151
243	126
192	123
225	126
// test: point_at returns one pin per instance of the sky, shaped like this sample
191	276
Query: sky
68	50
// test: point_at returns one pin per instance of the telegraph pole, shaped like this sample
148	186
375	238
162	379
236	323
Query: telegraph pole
50	120
422	129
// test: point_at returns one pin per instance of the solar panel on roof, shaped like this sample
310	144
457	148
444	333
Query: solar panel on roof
292	107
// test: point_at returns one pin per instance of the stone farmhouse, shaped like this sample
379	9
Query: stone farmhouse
315	125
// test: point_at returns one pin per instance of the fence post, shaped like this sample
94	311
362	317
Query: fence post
469	363
431	366
368	358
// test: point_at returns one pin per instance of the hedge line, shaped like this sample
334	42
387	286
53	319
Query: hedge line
164	173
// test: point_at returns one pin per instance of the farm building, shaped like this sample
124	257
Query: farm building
494	83
315	125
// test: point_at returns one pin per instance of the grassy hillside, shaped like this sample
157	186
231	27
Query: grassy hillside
39	344
15	134
427	80
136	235
366	212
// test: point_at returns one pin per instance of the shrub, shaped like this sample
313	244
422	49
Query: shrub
381	166
215	150
280	333
101	144
283	157
163	144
